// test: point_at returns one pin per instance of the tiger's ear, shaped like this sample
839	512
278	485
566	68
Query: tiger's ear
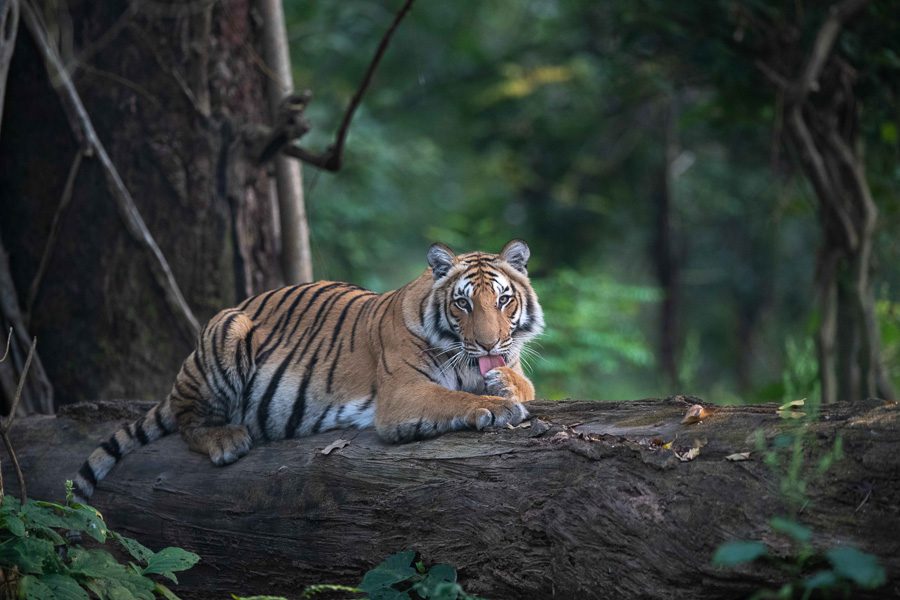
441	259
516	253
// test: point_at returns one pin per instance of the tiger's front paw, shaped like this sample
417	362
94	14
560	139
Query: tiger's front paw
506	383
500	413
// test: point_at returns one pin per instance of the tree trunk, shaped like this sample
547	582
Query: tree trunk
583	503
170	89
665	254
37	395
296	259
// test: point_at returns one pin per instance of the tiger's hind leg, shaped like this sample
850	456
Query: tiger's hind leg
207	394
224	444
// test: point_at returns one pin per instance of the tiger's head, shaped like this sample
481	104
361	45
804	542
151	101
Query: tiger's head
482	306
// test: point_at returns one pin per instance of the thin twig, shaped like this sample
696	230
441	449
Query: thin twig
864	500
8	341
4	429
134	223
64	202
333	156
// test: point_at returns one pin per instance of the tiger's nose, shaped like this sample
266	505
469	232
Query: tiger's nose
489	346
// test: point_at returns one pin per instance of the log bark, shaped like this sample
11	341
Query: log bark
587	506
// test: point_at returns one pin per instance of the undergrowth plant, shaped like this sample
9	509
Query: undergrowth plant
398	577
38	561
830	572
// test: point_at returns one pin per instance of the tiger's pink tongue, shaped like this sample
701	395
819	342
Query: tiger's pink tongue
486	363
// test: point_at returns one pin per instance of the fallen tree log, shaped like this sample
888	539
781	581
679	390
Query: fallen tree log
587	501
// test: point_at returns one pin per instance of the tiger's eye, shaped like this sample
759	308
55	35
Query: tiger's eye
462	304
504	300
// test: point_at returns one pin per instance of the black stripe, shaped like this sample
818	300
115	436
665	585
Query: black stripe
340	322
183	412
334	364
318	426
141	434
112	448
264	354
159	421
300	403
262	304
217	359
371	301
214	390
262	411
381	343
87	473
248	352
424	373
286	294
195	391
369	401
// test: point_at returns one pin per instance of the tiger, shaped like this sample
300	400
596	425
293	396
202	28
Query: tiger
439	354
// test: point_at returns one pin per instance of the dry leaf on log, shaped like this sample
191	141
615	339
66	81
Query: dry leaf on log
695	414
335	445
738	456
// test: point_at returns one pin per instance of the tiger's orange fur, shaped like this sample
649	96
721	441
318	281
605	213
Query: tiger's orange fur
307	358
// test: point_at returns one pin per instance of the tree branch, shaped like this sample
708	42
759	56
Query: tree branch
83	128
5	427
838	14
64	201
332	158
818	175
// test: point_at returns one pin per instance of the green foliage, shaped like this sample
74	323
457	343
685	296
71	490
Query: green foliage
806	567
735	553
592	334
34	551
398	577
800	377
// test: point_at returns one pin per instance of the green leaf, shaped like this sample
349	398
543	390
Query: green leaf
435	583
393	570
78	517
10	504
64	587
29	554
14	524
137	550
819	580
31	588
168	560
859	567
734	553
123	582
799	532
108	589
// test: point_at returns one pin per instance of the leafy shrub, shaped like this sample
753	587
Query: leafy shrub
398	577
39	563
807	569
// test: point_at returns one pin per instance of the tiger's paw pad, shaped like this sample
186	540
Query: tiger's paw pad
500	415
499	382
229	444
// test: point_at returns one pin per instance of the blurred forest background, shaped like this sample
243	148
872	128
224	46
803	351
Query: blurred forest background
640	147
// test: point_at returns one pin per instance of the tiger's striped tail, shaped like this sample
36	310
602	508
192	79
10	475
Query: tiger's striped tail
158	422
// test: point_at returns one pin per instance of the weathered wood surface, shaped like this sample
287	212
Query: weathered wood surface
589	508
